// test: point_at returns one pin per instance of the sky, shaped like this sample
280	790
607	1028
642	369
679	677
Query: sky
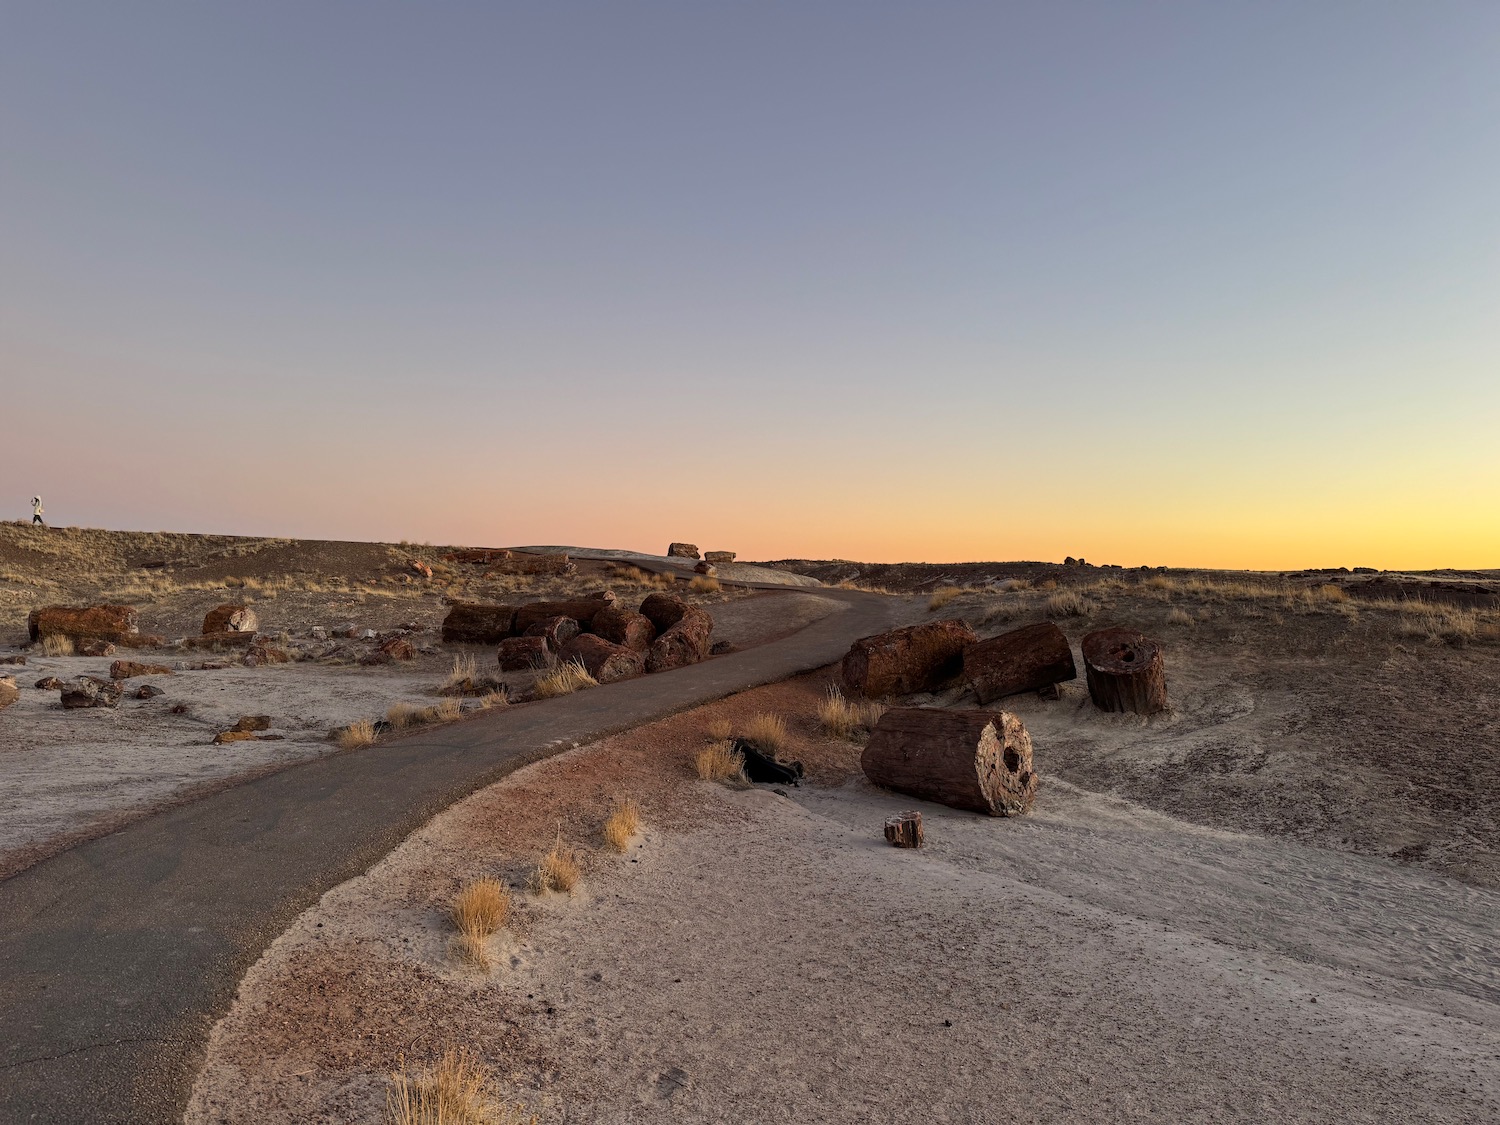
1175	284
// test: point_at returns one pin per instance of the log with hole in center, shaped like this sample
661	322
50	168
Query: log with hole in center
974	760
1125	672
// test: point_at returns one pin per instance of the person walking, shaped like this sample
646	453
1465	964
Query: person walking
37	510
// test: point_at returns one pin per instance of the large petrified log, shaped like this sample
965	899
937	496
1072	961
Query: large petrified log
604	660
533	564
94	622
521	654
230	618
581	611
477	555
682	551
556	631
903	661
1125	671
1022	660
975	760
624	627
471	623
684	642
663	610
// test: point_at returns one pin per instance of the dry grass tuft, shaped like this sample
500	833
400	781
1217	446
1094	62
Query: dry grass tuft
57	645
458	1091
444	712
1070	603
558	871
1438	624
643	578
1001	612
1180	617
704	584
491	700
565	679
465	671
721	762
403	715
843	719
479	910
720	730
767	733
942	597
622	824
356	735
1328	593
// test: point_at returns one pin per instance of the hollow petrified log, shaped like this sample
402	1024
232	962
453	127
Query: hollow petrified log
624	627
521	654
1021	660
605	661
663	610
97	622
683	643
230	618
581	611
1125	671
917	658
975	760
468	622
904	830
556	631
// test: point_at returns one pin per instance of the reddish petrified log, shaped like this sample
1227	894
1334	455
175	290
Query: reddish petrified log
684	642
533	565
1022	660
221	640
663	610
581	611
1125	671
903	661
129	669
975	760
682	551
230	618
604	660
477	555
556	631
522	654
718	558
624	627
904	830
118	623
471	623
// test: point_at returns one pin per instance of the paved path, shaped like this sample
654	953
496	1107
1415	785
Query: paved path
117	957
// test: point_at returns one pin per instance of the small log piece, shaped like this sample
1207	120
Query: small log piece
556	631
904	830
119	623
624	627
231	639
470	623
9	693
129	669
90	691
682	551
230	618
903	661
581	611
1125	671
718	558
1022	660
524	654
605	661
684	642
974	760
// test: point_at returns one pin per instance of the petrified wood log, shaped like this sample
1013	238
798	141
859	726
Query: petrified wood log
718	558
470	623
663	610
1021	660
917	658
624	627
682	551
232	639
534	564
521	654
96	622
975	760
477	555
556	631
581	611
683	643
904	830
1125	671
230	618
90	691
129	669
605	661
9	693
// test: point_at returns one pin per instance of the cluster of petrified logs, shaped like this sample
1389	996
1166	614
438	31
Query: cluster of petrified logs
608	640
1124	668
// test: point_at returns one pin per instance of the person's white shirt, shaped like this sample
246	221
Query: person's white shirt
36	506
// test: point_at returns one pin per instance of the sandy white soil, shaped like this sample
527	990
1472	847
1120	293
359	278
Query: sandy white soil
759	957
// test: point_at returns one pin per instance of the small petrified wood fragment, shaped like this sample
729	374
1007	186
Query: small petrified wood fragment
1022	660
975	760
1125	671
904	830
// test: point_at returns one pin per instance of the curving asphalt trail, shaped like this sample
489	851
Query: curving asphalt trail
117	957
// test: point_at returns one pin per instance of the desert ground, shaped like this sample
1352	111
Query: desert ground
1277	901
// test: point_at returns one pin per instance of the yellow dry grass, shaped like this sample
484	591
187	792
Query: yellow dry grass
635	576
767	733
465	670
479	910
403	715
1180	617
565	679
942	597
57	645
1070	603
557	871
459	1090
704	584
720	730
622	824
357	734
844	719
720	762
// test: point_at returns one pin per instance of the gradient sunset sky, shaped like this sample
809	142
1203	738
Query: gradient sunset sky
1184	284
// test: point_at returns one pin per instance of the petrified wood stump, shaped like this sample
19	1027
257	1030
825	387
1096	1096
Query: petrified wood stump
904	830
1021	660
975	760
1125	671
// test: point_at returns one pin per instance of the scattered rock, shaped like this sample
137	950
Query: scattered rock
230	619
263	654
718	558
95	622
318	633
90	691
49	683
682	551
720	648
706	569
398	648
367	635
419	567
521	654
905	661
9	693
129	669
95	648
17	659
233	736
148	691
253	723
230	638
